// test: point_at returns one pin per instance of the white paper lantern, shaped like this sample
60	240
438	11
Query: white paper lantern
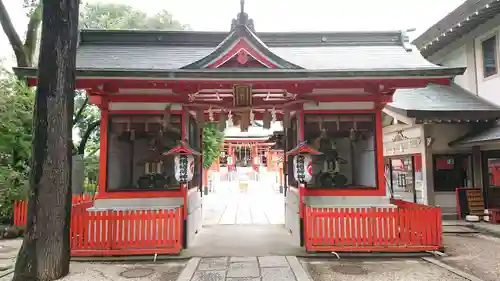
184	168
302	168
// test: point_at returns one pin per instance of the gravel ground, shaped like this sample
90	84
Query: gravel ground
476	254
377	270
121	272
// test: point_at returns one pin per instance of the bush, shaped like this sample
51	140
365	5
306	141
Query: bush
16	113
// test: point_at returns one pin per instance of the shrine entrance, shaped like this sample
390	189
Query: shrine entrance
327	89
243	184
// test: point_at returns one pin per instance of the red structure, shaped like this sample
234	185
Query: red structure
156	87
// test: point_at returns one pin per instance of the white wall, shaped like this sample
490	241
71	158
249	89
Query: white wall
364	151
442	135
413	144
467	52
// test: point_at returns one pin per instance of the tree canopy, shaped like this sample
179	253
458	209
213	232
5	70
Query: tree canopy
212	142
17	100
100	15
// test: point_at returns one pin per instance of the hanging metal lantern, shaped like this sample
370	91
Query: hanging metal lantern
222	121
166	117
286	118
245	121
200	117
266	120
278	142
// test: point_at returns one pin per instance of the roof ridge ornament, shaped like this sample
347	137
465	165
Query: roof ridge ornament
242	19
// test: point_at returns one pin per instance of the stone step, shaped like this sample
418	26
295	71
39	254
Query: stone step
268	268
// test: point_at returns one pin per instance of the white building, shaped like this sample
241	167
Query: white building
443	137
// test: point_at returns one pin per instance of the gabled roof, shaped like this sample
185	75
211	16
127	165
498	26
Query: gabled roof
241	40
442	103
456	24
172	50
479	137
190	55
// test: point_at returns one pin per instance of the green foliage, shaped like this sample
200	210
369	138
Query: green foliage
104	15
16	107
17	100
212	142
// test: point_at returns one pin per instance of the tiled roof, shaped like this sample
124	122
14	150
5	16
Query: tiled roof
462	20
489	135
174	57
438	101
147	50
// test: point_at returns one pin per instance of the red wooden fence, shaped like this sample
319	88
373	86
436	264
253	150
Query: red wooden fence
116	233
21	208
402	229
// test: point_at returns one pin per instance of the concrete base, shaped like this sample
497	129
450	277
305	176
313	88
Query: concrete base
348	202
242	241
138	204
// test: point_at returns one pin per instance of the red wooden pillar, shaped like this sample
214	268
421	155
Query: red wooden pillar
103	147
280	172
380	152
205	177
255	153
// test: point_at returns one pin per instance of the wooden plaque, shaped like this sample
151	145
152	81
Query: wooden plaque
242	95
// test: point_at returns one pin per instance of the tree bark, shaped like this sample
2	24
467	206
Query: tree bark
32	33
45	252
14	39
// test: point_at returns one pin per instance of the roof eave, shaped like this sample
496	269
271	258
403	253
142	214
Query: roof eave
239	74
454	115
471	15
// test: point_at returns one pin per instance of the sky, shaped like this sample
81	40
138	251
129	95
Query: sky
281	15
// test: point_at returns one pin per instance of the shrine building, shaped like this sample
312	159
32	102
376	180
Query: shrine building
155	90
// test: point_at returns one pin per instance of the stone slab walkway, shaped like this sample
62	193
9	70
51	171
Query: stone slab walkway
259	204
268	268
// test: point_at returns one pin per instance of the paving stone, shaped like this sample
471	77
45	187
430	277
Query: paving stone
242	279
209	275
273	261
243	259
137	272
5	265
243	269
213	263
277	274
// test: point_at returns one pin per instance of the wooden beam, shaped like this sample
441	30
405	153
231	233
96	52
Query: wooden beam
405	119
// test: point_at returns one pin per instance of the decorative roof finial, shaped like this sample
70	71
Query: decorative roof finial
242	19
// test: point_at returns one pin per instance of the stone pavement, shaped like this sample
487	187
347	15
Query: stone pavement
377	270
228	204
476	254
145	271
268	268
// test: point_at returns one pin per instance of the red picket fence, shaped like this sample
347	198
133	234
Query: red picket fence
406	204
21	207
117	233
402	229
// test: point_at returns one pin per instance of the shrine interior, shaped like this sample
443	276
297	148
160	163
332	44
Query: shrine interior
136	148
349	150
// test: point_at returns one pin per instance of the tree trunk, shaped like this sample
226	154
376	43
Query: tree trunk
45	252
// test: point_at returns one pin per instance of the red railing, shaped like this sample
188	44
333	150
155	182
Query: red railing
21	207
406	204
116	233
401	229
